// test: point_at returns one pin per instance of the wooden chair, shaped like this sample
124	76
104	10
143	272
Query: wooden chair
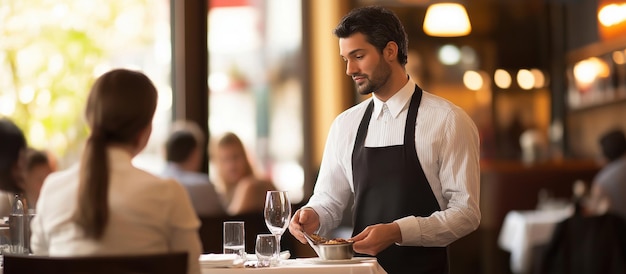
169	263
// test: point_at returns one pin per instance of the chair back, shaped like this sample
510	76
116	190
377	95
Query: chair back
586	245
169	263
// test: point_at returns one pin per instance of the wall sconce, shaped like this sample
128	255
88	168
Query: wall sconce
447	20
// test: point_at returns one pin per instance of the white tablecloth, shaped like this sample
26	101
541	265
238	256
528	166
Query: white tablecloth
522	230
308	265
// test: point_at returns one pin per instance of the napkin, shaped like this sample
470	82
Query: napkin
220	260
284	255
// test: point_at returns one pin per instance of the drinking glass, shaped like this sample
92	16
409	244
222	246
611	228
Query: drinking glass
5	242
266	249
234	238
277	214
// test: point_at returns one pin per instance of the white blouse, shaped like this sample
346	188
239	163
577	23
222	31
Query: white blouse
447	145
147	215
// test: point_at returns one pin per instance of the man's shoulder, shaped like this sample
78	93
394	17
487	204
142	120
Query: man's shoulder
354	112
612	171
193	178
434	101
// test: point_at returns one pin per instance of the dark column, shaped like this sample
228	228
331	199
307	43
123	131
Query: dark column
556	67
190	62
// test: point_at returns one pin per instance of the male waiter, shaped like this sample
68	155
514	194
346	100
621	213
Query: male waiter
410	158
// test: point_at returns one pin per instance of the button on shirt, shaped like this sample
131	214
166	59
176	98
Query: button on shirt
447	145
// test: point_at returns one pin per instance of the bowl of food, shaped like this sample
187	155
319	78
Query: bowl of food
336	249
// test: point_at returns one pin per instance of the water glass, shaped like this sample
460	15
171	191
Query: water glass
266	249
5	239
234	238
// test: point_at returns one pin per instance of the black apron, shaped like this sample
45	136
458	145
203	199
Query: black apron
389	184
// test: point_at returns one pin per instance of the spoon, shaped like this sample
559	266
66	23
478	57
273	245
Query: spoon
311	242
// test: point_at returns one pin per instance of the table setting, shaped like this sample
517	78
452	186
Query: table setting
334	256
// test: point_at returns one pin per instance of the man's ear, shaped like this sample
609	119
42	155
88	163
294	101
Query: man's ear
390	52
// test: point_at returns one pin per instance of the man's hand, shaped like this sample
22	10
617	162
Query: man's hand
375	238
305	219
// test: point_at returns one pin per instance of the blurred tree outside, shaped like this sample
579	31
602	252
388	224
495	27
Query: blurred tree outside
51	51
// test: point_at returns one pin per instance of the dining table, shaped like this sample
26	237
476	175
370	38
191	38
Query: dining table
523	230
356	265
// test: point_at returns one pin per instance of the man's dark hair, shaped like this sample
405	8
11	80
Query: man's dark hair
179	146
12	143
379	25
613	144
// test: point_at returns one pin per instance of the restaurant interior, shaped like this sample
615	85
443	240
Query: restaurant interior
541	79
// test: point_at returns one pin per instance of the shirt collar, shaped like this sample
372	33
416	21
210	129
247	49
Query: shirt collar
397	102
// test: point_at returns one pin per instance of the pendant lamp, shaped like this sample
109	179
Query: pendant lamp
446	20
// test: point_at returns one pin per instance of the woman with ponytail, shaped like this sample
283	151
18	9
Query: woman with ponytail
105	205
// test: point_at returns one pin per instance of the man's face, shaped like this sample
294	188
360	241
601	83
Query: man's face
364	63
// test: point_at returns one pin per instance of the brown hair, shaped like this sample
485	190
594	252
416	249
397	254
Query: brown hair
120	106
12	144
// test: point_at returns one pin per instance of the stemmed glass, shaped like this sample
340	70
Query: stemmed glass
277	213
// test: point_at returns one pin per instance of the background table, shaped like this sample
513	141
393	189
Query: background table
523	230
305	266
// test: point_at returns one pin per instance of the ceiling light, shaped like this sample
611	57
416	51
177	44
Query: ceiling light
447	20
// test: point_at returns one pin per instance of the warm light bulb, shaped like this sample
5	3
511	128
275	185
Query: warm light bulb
612	14
447	20
502	78
472	80
540	78
525	79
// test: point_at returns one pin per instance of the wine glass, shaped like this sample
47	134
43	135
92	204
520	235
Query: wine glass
277	213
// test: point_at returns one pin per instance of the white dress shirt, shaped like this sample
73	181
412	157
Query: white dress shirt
447	145
610	180
147	215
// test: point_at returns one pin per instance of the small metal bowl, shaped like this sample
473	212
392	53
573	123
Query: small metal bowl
343	251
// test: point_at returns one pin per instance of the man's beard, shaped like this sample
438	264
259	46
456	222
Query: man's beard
379	78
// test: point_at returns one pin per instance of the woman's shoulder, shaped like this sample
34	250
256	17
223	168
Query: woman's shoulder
254	186
141	180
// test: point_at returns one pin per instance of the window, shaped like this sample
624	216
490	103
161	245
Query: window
256	89
52	51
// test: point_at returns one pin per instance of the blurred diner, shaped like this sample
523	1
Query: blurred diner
12	164
104	205
608	190
39	164
241	191
184	150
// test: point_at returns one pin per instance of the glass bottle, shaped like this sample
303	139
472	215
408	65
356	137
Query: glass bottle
17	225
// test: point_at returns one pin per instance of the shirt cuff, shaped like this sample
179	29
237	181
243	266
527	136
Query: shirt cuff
410	230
